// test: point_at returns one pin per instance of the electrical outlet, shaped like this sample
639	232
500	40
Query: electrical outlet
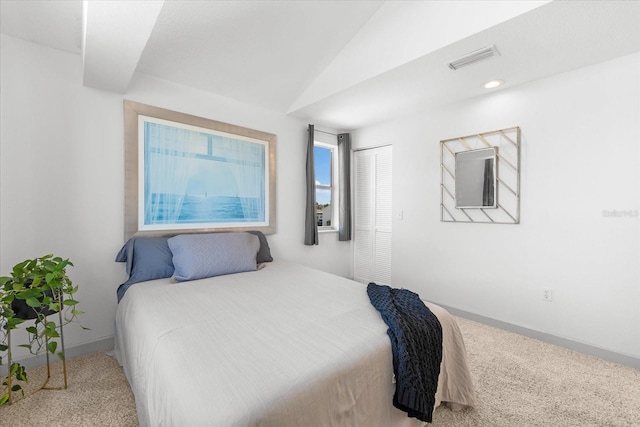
547	295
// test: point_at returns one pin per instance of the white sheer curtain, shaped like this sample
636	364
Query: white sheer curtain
169	162
246	163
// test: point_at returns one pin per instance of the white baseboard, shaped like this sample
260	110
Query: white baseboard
601	353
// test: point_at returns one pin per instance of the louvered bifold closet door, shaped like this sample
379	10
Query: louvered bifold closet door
382	229
363	216
372	215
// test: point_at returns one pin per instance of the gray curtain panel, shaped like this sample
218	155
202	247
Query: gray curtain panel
344	169
310	222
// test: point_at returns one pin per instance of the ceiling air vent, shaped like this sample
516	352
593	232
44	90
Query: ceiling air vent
475	56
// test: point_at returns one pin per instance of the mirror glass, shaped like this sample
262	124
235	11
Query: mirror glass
475	177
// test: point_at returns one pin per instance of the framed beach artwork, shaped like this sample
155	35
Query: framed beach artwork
187	174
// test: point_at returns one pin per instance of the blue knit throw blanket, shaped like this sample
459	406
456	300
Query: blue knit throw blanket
416	344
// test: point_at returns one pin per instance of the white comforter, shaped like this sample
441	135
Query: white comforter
283	346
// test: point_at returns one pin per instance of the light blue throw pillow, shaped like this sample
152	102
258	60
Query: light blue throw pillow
196	256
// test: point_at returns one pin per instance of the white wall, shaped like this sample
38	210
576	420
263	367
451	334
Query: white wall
579	157
62	173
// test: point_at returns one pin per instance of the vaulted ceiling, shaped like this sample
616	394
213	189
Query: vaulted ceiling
342	64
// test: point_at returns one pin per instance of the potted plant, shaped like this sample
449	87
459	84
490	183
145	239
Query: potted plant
36	289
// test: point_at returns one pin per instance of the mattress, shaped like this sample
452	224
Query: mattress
286	345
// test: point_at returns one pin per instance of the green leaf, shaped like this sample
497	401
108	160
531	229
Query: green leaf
4	399
29	293
25	346
70	302
19	268
54	306
49	266
61	355
16	387
51	333
22	376
13	322
3	347
33	302
55	283
52	347
32	330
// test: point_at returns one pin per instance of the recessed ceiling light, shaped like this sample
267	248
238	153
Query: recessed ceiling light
493	83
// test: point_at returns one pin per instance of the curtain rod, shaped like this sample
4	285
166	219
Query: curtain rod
321	131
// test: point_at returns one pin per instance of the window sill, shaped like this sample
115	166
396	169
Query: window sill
327	230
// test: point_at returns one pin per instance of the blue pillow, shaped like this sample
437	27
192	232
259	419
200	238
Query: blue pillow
147	258
196	256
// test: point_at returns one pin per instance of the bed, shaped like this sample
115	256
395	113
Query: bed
282	345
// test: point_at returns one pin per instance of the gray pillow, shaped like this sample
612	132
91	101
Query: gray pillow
196	256
264	254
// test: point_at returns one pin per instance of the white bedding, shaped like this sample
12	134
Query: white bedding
283	346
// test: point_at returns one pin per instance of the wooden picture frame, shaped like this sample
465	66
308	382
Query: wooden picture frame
188	174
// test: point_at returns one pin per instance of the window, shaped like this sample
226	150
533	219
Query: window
325	156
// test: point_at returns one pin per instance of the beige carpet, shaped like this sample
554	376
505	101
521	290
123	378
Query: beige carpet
519	382
98	394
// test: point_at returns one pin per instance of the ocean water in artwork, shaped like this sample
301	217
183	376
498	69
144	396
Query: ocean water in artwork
190	209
